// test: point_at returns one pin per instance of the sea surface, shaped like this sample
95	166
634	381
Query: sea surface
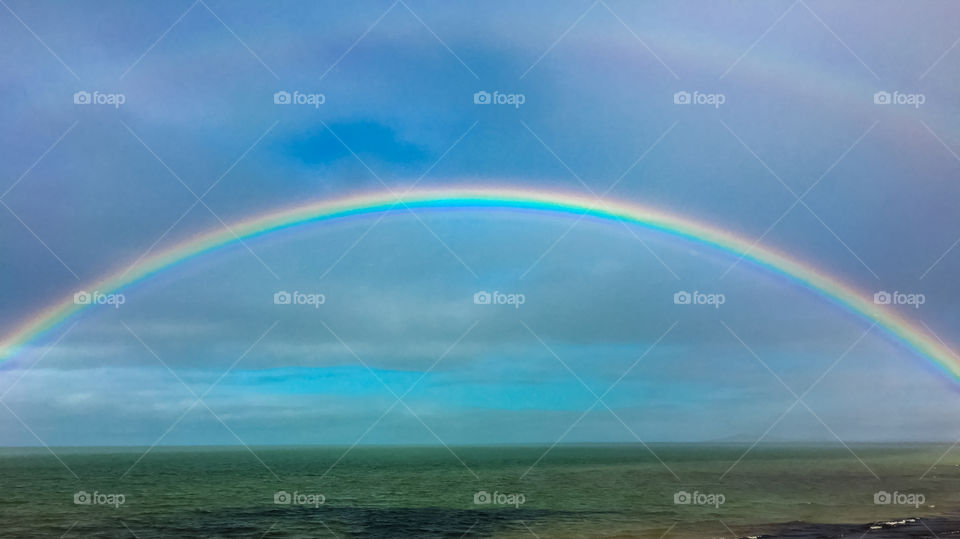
497	491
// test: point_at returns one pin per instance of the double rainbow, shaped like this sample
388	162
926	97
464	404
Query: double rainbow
502	198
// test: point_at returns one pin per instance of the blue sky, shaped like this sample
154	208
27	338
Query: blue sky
89	189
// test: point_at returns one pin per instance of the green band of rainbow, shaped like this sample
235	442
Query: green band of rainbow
846	296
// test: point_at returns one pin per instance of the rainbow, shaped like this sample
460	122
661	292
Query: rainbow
846	296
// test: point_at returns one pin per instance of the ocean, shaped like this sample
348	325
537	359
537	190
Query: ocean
882	491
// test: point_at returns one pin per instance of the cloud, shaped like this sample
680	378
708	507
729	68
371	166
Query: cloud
399	291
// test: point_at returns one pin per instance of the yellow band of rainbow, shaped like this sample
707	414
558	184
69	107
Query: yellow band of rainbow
846	296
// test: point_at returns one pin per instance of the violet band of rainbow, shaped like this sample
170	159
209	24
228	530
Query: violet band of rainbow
848	297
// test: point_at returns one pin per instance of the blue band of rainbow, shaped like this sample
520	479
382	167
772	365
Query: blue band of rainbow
848	297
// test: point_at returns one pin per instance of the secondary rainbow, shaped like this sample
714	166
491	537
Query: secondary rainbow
503	198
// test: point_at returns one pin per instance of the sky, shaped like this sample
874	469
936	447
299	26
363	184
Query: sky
787	147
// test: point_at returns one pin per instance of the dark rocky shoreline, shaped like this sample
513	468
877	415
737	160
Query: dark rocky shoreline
894	529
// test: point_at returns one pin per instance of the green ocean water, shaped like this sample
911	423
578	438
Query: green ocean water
570	491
